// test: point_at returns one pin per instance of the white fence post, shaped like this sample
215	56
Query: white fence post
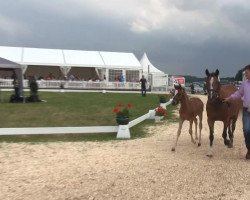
163	105
151	114
123	132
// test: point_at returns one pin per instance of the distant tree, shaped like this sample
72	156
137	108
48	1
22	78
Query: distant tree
229	79
191	79
238	76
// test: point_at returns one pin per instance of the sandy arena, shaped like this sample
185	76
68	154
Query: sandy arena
132	169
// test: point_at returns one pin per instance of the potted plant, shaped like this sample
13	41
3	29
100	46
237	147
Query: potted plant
33	91
160	113
162	98
122	113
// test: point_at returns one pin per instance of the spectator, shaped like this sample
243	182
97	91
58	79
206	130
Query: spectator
50	77
205	88
143	86
16	85
192	88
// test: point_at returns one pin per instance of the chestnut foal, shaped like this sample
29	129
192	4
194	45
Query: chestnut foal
190	108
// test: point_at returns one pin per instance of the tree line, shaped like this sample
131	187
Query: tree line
237	77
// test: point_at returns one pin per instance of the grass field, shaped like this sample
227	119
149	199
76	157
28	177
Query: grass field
74	109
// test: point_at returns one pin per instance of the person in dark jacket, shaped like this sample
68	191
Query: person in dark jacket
143	86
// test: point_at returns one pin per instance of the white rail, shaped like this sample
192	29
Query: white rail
53	84
58	130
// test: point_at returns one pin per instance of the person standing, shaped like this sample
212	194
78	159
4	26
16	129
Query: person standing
192	88
143	86
244	93
16	85
205	88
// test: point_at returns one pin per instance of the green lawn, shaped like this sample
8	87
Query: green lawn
75	109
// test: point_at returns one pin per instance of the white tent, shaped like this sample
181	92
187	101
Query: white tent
147	66
157	78
73	58
7	65
61	62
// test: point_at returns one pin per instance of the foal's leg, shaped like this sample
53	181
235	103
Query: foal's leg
178	133
195	122
200	127
191	131
211	136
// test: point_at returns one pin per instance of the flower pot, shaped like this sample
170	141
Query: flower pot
163	99
122	120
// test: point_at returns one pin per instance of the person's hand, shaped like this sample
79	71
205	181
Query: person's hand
226	99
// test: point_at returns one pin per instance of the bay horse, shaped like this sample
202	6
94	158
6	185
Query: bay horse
189	109
218	110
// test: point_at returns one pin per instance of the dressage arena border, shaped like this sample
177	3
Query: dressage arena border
122	130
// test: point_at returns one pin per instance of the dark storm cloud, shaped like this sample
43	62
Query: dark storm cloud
179	37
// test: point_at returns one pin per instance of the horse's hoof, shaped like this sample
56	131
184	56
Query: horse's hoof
199	144
227	142
209	155
173	149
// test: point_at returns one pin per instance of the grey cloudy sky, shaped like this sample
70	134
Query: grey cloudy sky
179	36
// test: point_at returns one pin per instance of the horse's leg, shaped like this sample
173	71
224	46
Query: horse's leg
224	134
211	136
200	127
191	131
231	129
178	133
195	122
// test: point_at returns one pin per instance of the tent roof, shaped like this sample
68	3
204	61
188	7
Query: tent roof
145	63
74	58
4	63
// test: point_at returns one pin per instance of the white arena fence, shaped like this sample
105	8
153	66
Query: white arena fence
81	85
55	84
82	130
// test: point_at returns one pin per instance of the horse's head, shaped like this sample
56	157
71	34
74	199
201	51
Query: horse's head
179	93
213	85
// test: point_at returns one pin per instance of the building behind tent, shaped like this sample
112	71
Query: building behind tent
176	80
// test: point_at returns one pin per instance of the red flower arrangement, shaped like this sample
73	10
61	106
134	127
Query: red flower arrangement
160	111
122	113
122	110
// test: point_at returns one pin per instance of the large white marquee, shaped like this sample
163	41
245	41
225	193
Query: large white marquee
56	65
74	58
62	62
